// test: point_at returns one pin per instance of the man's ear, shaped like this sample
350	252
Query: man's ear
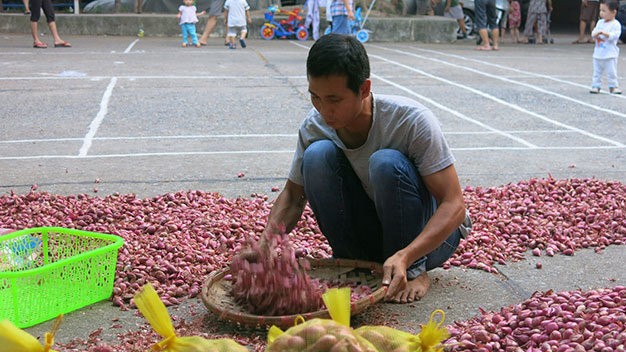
366	88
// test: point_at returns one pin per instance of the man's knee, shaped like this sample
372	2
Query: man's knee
385	163
318	152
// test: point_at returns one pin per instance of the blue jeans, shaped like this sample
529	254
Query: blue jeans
189	29
358	227
341	25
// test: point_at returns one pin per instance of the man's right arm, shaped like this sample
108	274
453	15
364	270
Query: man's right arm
287	208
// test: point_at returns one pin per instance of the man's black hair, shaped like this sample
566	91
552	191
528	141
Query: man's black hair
337	54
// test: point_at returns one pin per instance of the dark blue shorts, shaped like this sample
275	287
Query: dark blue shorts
486	15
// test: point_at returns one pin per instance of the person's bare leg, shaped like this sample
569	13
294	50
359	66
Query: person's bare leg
55	33
581	31
210	25
35	32
415	289
484	36
26	6
496	37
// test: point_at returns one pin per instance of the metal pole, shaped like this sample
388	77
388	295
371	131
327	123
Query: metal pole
368	13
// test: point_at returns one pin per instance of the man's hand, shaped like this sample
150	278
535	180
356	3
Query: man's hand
351	15
394	275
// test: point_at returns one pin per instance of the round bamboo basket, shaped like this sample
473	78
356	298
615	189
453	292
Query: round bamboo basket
217	298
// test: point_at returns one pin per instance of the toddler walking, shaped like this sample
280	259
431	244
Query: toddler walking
236	13
605	53
188	19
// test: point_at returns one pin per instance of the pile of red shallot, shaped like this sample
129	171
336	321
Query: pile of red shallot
575	321
175	240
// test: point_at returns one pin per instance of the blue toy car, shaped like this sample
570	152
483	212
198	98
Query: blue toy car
284	28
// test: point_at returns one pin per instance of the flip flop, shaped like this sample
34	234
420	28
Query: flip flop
39	45
62	45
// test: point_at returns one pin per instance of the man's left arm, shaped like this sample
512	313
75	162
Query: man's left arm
444	186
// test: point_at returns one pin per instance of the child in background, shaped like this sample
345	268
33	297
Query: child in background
515	20
605	53
188	19
537	15
236	13
454	10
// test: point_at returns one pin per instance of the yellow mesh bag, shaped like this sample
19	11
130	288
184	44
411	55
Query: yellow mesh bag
321	335
153	309
15	339
387	339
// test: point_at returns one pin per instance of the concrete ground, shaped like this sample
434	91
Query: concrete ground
146	116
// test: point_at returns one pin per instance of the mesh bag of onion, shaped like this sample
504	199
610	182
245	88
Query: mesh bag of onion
15	339
321	335
153	309
387	339
335	335
268	279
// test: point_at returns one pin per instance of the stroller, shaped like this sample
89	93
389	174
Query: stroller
357	26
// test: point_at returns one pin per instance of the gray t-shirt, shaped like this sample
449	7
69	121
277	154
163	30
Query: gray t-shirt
398	123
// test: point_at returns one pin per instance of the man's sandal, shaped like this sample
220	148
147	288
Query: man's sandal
39	45
62	45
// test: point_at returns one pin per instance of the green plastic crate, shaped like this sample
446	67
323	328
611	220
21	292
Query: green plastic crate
47	271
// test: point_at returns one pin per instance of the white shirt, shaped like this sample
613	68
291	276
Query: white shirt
236	12
188	14
606	47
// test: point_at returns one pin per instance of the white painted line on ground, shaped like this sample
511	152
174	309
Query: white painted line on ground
95	124
235	136
455	113
290	151
155	137
509	132
522	72
130	47
508	80
525	73
307	47
153	77
103	156
498	100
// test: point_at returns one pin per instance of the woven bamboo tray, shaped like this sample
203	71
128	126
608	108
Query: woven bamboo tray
217	298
